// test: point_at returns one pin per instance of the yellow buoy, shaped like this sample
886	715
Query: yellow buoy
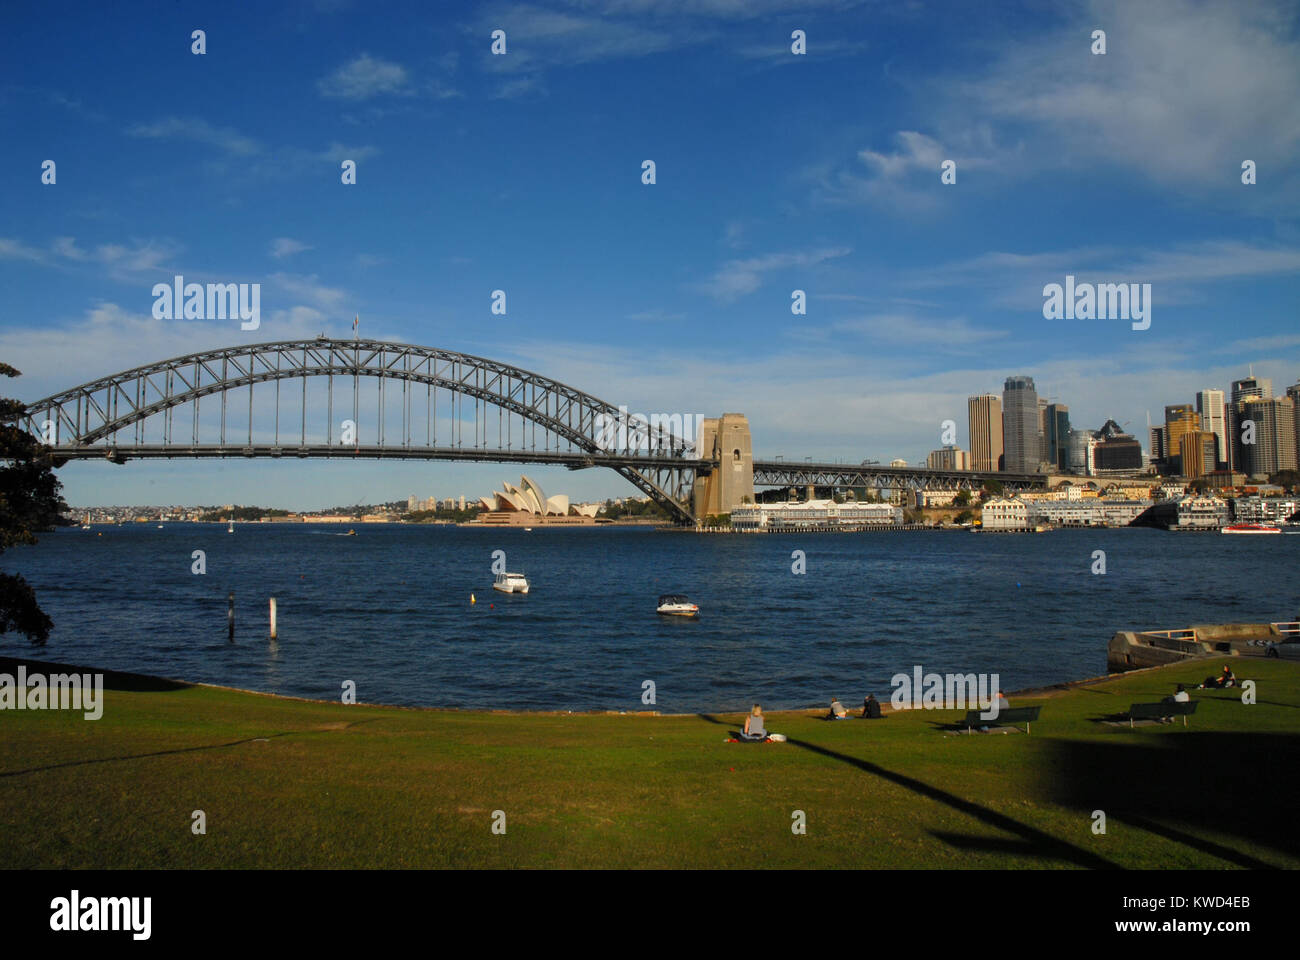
471	599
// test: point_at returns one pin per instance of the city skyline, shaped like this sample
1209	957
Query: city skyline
673	296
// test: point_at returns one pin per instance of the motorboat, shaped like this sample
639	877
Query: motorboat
676	605
511	583
1251	528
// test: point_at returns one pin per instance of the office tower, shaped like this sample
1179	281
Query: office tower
1274	448
1020	435
1079	452
985	417
1180	419
1209	404
1252	386
1057	435
1116	450
1197	453
1293	394
948	458
1159	446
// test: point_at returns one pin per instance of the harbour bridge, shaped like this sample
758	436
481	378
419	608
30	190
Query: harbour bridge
157	411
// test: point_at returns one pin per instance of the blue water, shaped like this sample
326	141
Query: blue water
390	609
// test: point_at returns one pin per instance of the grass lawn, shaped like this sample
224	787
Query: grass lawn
290	783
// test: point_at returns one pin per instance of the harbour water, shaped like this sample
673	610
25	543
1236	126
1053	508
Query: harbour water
390	609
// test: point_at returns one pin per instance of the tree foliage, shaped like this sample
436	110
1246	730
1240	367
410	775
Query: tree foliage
30	503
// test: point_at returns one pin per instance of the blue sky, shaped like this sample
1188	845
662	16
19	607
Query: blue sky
775	172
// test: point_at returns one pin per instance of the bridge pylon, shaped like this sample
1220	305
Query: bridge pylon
730	484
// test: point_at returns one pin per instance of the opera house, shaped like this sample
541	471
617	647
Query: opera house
528	504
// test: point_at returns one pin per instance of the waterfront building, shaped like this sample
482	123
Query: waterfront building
1021	437
985	424
526	498
948	458
1093	512
812	515
1200	513
1264	509
1005	513
1210	407
1274	448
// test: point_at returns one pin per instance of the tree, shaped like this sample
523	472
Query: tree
964	517
1289	479
962	498
30	503
993	486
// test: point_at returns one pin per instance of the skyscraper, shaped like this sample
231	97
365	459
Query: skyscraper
1056	435
985	415
1293	392
1020	422
1248	388
1209	404
1274	448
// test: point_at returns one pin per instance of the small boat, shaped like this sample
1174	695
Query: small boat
160	526
511	583
528	529
350	533
1251	528
230	526
676	605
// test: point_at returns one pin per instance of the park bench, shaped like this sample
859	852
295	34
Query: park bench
1005	717
1159	711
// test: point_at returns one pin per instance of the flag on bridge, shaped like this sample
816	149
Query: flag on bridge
354	326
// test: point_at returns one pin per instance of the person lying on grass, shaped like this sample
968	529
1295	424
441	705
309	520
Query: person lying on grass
1225	679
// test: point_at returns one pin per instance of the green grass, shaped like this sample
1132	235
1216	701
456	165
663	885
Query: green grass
360	786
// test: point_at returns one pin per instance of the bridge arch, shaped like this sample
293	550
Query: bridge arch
85	421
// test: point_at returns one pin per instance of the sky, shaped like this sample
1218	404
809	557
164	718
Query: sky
774	172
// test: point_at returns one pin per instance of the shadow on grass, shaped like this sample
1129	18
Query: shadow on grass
1031	842
113	680
141	756
1238	784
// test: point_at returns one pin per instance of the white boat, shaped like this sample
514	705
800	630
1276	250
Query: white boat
1250	528
675	605
230	527
511	583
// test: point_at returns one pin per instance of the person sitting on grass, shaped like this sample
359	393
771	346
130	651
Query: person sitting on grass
1179	696
754	729
871	707
1225	679
837	710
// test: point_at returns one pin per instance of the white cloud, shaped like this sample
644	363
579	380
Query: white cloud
282	247
200	131
739	277
365	77
310	289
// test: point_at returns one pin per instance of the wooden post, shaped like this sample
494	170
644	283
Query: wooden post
230	615
273	618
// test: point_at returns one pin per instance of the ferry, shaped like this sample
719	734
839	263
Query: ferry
1251	528
675	605
511	583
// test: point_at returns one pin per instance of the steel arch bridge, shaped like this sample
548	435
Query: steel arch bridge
578	430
